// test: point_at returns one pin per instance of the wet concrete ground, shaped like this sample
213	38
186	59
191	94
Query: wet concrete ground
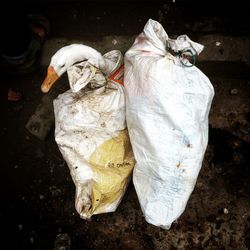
37	193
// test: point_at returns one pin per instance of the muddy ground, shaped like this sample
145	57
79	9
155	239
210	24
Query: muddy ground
37	193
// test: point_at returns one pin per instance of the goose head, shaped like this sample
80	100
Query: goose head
66	57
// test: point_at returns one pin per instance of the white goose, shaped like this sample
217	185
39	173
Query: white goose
69	55
90	128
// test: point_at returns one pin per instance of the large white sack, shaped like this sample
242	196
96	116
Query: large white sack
91	133
167	108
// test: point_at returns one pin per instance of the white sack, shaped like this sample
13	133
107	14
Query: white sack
90	130
167	108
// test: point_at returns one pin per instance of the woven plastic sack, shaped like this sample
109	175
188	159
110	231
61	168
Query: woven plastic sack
91	133
167	108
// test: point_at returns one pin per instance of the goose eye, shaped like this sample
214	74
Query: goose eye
61	65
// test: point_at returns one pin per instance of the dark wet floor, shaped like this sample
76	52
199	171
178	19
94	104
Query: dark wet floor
37	193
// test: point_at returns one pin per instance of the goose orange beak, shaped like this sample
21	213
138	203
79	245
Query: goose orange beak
49	80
